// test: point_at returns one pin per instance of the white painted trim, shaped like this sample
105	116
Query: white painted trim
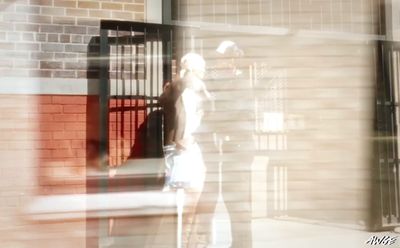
388	19
48	86
65	86
249	29
268	30
396	20
344	36
392	15
153	10
78	206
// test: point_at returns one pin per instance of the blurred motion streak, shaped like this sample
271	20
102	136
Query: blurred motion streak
299	134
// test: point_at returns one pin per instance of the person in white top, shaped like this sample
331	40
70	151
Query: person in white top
182	105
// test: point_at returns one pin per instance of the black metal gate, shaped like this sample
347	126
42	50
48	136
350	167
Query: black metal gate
386	169
136	61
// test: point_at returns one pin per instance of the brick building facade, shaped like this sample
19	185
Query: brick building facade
320	56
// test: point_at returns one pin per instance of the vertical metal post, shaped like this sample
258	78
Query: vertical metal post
158	117
103	121
130	87
391	132
149	95
388	129
377	220
180	202
104	97
116	98
384	155
146	75
137	70
166	37
166	56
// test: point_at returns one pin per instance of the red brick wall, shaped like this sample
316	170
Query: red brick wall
62	147
56	130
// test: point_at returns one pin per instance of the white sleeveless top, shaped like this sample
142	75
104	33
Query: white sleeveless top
191	103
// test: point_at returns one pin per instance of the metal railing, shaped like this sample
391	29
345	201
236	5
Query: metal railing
135	63
386	168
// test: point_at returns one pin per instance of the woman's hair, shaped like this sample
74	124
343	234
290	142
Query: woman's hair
192	62
193	67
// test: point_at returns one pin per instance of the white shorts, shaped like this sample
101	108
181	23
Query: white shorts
189	168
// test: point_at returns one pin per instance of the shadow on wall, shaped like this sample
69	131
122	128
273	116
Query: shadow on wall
149	135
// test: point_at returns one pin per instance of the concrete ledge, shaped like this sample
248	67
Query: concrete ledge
48	86
63	207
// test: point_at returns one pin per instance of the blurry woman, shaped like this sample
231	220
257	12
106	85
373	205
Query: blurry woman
182	105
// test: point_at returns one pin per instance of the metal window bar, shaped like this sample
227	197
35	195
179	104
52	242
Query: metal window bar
131	81
131	84
387	148
103	97
117	91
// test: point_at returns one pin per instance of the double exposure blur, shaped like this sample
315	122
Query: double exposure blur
182	123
